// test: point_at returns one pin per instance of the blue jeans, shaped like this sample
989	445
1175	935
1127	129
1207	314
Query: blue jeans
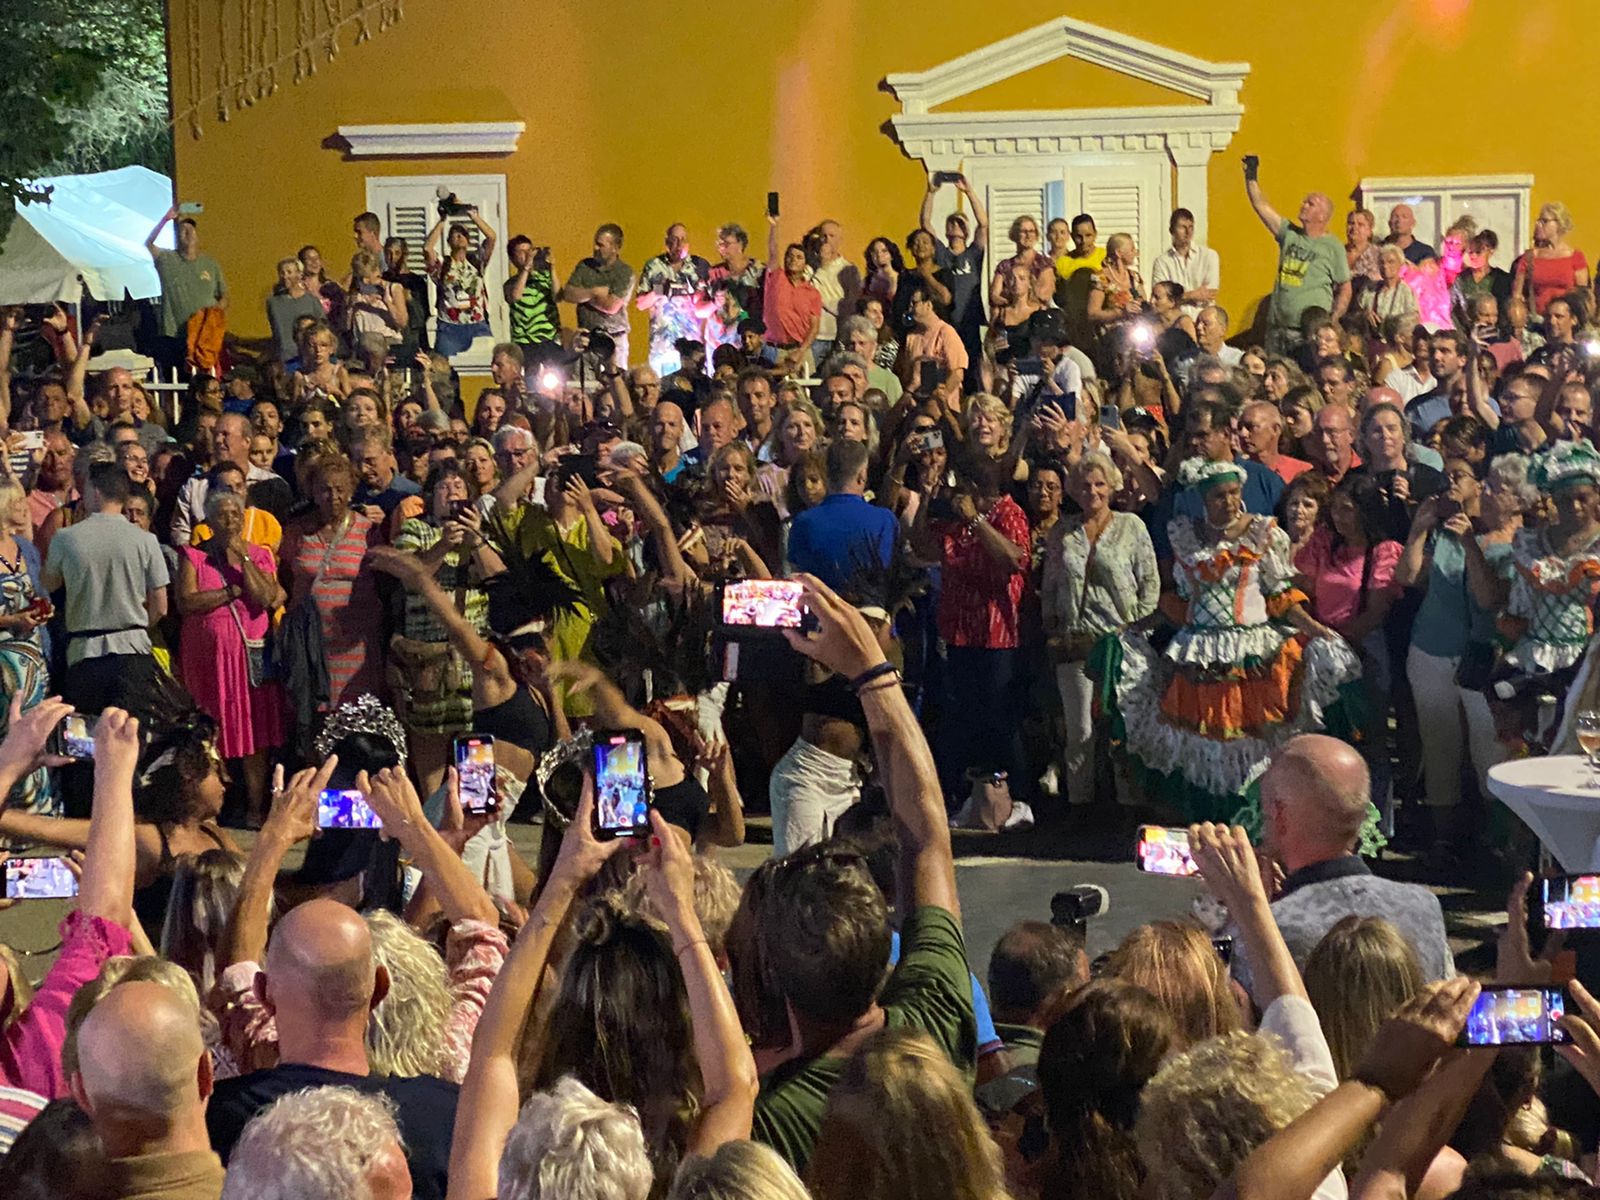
980	724
450	339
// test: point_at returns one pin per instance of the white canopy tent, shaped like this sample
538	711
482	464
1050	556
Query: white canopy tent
92	234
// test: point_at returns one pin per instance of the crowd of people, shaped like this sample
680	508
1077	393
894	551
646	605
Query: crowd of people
1063	548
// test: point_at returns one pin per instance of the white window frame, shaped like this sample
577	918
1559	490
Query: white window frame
380	193
1379	194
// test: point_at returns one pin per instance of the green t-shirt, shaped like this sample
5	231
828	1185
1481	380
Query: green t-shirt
1310	269
930	990
186	288
533	314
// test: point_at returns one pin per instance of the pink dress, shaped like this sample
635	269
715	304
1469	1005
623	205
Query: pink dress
215	667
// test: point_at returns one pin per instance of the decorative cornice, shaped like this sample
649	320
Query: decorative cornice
476	138
1432	183
1217	84
1169	130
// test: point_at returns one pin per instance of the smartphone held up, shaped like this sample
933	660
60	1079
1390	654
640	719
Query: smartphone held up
621	784
474	759
1164	851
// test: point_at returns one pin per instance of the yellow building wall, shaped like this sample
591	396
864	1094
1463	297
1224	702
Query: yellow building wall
646	113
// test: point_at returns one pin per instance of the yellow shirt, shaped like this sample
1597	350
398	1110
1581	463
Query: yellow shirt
261	528
1068	265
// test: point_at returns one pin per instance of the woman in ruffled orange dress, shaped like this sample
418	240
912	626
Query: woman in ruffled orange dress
1247	669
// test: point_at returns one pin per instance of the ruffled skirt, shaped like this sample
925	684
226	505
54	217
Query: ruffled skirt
1199	720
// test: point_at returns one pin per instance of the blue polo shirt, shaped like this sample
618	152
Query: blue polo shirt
844	531
1427	410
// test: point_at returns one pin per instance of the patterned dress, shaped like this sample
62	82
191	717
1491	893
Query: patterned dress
450	713
340	585
25	671
1556	596
1202	717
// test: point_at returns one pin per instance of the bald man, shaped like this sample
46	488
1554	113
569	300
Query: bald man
1402	223
1312	269
1315	795
320	983
144	1076
1260	434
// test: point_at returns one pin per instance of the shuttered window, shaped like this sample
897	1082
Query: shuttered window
408	206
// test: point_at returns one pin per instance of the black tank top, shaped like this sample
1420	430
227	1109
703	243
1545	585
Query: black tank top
520	720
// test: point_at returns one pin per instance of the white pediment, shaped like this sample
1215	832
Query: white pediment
1183	129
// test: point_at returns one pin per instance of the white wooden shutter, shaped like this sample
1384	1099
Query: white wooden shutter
1123	199
408	206
1006	203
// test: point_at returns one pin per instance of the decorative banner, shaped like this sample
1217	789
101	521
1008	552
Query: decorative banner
256	41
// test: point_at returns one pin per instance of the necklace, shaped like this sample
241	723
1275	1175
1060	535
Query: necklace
12	566
1222	529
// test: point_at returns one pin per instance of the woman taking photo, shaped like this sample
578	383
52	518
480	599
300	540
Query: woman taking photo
430	681
227	591
463	299
1100	579
1023	285
1402	484
324	571
1457	553
981	546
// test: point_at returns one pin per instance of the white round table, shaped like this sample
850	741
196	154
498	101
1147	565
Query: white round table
1554	798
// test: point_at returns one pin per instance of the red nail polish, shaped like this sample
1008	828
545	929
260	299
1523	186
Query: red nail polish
655	841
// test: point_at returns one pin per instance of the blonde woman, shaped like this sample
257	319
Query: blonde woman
1177	964
403	1030
1552	268
1100	578
900	1080
1358	976
738	1171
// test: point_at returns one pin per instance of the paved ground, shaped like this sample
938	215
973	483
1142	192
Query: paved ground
1002	878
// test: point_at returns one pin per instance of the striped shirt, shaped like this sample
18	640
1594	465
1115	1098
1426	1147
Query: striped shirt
534	317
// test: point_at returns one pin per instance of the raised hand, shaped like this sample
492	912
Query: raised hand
1410	1042
843	641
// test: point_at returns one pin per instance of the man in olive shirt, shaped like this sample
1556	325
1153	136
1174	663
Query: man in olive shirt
601	286
1313	271
824	927
190	281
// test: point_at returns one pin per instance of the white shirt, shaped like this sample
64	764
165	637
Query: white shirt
1294	1023
1199	268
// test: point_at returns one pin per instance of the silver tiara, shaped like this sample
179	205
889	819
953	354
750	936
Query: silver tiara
576	749
365	714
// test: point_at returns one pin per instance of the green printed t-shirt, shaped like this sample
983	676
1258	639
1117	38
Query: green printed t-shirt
1310	269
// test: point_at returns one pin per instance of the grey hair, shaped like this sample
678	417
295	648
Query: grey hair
568	1144
738	1171
851	326
506	434
1510	471
839	360
315	1144
1096	460
1222	313
216	497
405	1029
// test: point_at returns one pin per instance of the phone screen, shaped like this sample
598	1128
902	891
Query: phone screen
345	809
762	604
1514	1016
475	768
621	785
1572	902
39	879
1164	851
1224	948
75	736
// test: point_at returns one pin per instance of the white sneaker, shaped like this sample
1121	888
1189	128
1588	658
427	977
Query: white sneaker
1050	781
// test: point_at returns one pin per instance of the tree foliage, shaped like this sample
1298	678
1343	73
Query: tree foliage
83	86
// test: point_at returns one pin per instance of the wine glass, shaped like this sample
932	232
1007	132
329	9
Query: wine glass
1588	730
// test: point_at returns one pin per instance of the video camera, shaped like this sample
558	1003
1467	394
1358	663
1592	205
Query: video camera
449	206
